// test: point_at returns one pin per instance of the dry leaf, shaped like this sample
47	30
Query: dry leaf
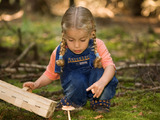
133	111
97	117
82	117
58	116
134	106
140	114
135	116
150	112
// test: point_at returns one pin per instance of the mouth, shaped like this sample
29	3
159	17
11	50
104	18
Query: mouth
77	51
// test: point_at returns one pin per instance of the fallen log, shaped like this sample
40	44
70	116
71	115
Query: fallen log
22	76
32	66
120	94
18	69
137	65
26	100
127	79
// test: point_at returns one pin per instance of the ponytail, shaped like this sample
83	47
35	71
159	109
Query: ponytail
60	61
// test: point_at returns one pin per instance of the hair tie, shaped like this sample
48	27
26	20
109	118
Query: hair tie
60	57
97	54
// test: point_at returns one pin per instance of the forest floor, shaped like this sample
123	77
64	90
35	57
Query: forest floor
130	40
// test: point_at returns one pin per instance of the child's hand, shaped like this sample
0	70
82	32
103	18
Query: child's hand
31	85
97	88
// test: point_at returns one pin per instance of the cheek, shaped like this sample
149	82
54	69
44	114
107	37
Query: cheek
69	45
67	42
84	45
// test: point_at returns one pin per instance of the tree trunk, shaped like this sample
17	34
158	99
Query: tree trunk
134	6
39	6
71	4
4	4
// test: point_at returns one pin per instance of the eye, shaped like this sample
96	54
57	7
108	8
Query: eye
71	40
83	40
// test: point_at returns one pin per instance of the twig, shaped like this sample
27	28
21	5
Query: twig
151	79
22	55
126	88
19	76
57	92
5	75
6	63
49	94
138	65
32	66
20	37
120	94
18	69
8	26
127	79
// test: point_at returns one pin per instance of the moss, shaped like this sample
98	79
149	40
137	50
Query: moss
46	32
127	107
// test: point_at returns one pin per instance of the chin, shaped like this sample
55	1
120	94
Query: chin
77	53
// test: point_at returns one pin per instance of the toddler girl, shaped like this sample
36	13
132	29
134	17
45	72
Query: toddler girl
82	63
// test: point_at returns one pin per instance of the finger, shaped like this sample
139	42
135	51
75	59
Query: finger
93	91
25	85
99	93
28	84
31	86
96	94
90	88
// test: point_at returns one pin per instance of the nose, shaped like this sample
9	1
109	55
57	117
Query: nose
76	44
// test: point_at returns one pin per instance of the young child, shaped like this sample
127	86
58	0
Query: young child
82	63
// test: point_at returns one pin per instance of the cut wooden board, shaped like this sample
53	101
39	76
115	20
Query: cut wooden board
26	100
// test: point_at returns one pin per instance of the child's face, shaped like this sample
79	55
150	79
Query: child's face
77	40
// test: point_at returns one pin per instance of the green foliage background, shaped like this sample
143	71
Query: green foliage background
124	45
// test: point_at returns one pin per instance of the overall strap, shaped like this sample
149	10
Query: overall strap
70	53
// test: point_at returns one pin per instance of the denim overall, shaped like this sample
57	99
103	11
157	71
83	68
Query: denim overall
78	74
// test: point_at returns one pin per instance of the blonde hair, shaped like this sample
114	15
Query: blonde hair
79	18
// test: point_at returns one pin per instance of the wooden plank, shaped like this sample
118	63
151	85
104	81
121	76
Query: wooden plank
24	104
26	100
27	94
30	100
